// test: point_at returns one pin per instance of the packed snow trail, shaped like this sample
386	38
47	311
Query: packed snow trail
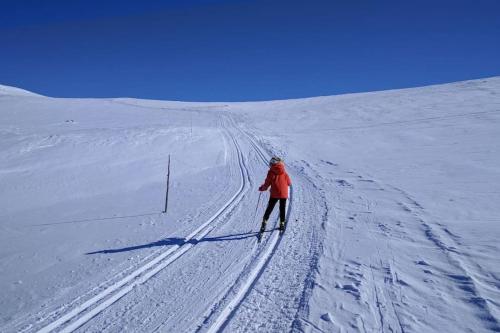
122	282
84	312
242	262
249	277
108	303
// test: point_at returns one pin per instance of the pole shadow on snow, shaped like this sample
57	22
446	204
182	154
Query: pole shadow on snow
179	241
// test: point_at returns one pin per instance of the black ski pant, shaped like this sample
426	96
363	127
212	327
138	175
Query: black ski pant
270	207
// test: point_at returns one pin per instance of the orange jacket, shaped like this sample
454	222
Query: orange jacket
279	181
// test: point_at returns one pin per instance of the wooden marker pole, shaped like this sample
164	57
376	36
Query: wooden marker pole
168	181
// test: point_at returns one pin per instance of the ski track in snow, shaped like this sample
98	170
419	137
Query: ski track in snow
221	314
249	277
92	307
54	314
227	306
290	296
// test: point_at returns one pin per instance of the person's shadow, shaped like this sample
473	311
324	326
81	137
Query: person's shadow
179	241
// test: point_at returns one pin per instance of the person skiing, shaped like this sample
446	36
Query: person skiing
278	179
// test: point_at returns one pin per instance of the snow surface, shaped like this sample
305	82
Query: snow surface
13	91
393	220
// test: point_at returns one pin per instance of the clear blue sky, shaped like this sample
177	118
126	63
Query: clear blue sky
243	50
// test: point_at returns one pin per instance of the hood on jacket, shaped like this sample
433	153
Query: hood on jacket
278	168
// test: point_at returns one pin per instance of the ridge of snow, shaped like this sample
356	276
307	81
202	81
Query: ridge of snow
158	103
14	91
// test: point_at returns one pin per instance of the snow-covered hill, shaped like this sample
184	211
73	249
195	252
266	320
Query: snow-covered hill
393	218
13	91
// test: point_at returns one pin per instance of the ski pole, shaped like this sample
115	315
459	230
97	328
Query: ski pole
257	208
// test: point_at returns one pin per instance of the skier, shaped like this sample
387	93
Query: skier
279	181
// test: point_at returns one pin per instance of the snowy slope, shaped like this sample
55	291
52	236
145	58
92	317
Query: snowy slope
13	91
393	216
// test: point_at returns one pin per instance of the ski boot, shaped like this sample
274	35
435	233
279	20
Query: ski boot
263	226
282	225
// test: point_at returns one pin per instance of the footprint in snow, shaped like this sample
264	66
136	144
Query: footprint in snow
330	163
342	182
366	180
405	208
326	317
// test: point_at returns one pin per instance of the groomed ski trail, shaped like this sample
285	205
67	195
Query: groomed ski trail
260	263
81	314
232	304
226	311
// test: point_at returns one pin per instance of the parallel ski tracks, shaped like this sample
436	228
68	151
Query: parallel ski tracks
249	277
83	313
